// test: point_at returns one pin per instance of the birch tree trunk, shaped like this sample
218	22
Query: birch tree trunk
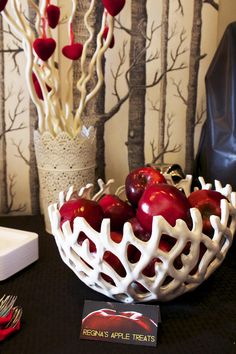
195	57
96	106
33	171
100	153
136	123
163	83
3	153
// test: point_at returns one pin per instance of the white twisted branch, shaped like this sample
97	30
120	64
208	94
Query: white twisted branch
55	115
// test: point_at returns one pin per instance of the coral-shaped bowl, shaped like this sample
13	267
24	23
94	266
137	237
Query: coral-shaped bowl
192	259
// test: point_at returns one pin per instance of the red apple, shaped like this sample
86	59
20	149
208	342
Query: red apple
138	230
178	262
165	200
202	251
92	246
115	263
88	209
116	236
117	210
140	179
165	246
208	203
113	260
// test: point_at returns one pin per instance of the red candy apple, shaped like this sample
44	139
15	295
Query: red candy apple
53	15
165	200
138	180
88	209
114	7
117	210
208	203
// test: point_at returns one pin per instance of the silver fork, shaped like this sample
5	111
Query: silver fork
6	304
16	316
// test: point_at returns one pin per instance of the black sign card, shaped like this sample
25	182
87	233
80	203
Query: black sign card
121	323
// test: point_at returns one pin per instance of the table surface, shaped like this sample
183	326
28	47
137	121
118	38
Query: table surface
52	297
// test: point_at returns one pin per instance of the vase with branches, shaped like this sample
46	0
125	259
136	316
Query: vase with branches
65	148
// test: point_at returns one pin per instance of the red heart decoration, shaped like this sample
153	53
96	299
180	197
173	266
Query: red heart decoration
53	15
3	4
38	88
113	6
104	35
44	47
73	51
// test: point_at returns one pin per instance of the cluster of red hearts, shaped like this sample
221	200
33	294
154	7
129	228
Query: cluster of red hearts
44	46
147	195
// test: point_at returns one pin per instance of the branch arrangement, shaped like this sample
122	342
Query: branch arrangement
42	72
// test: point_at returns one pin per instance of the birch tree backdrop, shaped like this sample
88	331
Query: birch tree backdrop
151	107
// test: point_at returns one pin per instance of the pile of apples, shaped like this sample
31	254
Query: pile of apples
147	195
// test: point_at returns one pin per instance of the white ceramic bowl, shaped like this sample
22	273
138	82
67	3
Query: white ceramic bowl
169	281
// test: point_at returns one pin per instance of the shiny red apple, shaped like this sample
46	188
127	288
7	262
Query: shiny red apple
138	180
165	246
117	210
138	230
202	251
88	209
113	260
208	203
82	237
165	200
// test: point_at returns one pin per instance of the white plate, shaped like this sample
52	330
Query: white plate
18	249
